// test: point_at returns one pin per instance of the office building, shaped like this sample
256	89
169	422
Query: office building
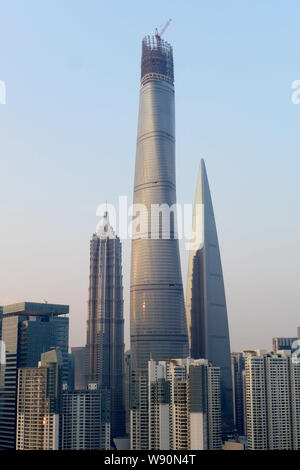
157	323
206	302
105	326
28	330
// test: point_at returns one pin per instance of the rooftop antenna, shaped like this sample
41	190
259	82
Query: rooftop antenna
159	35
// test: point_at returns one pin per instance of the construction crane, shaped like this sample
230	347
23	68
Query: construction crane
159	35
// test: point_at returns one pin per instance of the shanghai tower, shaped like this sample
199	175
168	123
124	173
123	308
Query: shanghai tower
158	327
206	302
158	324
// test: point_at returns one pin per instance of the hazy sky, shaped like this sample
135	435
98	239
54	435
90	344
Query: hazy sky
68	135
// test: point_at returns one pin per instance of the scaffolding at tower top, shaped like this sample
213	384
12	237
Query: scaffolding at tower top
157	58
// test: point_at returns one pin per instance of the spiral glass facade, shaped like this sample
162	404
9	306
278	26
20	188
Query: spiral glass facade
158	322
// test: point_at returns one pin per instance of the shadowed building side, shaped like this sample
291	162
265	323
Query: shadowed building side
206	303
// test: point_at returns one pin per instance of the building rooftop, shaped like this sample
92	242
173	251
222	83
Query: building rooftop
157	58
35	309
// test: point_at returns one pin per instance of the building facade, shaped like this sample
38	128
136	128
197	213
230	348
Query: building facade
283	343
105	326
39	404
272	400
157	312
78	354
28	330
205	300
86	419
184	405
127	378
237	368
158	324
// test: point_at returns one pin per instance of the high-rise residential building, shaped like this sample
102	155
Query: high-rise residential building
205	299
86	419
78	354
139	428
105	325
157	323
272	400
237	368
184	405
28	330
39	404
283	344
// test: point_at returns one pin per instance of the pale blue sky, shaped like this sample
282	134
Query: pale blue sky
68	132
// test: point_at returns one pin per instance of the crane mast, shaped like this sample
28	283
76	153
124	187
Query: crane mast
159	35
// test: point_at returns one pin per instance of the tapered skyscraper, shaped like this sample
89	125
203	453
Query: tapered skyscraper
105	326
158	322
158	328
206	302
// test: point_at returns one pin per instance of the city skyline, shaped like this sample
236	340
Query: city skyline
167	362
43	229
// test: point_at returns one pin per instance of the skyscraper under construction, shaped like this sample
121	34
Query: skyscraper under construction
158	323
158	328
105	325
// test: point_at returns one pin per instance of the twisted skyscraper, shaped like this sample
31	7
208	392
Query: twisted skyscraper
158	328
158	323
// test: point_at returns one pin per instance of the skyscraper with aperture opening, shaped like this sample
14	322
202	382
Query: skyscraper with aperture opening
205	298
